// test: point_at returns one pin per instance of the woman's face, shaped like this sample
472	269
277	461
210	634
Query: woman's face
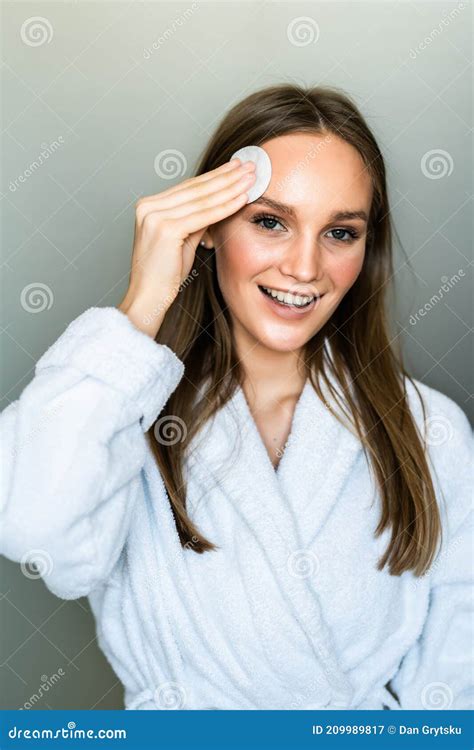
305	248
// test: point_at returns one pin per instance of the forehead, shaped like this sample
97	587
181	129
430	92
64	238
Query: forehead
311	170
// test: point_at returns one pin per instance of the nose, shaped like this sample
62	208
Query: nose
302	259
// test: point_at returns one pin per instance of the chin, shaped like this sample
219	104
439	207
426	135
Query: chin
283	341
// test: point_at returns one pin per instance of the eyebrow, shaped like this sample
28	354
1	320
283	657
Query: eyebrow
290	211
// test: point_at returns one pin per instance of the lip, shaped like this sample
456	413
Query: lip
288	313
302	294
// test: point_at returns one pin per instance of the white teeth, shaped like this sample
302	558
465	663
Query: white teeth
289	299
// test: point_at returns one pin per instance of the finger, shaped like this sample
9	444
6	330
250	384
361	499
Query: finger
192	241
195	221
194	189
229	166
209	200
195	193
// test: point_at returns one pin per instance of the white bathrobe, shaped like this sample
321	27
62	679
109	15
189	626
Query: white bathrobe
290	612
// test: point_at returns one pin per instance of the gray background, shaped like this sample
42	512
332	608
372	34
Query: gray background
82	89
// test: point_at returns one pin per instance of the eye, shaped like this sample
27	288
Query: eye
268	219
353	234
267	223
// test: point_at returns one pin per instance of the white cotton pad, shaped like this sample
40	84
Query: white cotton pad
263	169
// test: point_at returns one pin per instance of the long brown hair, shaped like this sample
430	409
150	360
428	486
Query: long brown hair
371	374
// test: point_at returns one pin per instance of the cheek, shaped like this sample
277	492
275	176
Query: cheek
345	270
242	256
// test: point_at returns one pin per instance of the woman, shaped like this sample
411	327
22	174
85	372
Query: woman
248	490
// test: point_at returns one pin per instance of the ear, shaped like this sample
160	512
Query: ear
207	240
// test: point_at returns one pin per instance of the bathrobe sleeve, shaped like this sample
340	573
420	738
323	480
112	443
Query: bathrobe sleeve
73	446
438	670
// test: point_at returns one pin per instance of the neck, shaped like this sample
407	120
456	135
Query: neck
270	375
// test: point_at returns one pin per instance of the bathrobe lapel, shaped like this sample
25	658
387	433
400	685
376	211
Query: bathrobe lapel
317	462
276	545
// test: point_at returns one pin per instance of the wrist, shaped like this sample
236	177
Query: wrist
145	316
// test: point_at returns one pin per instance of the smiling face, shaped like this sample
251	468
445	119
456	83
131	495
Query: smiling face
307	249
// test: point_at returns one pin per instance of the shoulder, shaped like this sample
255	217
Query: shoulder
442	413
443	421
